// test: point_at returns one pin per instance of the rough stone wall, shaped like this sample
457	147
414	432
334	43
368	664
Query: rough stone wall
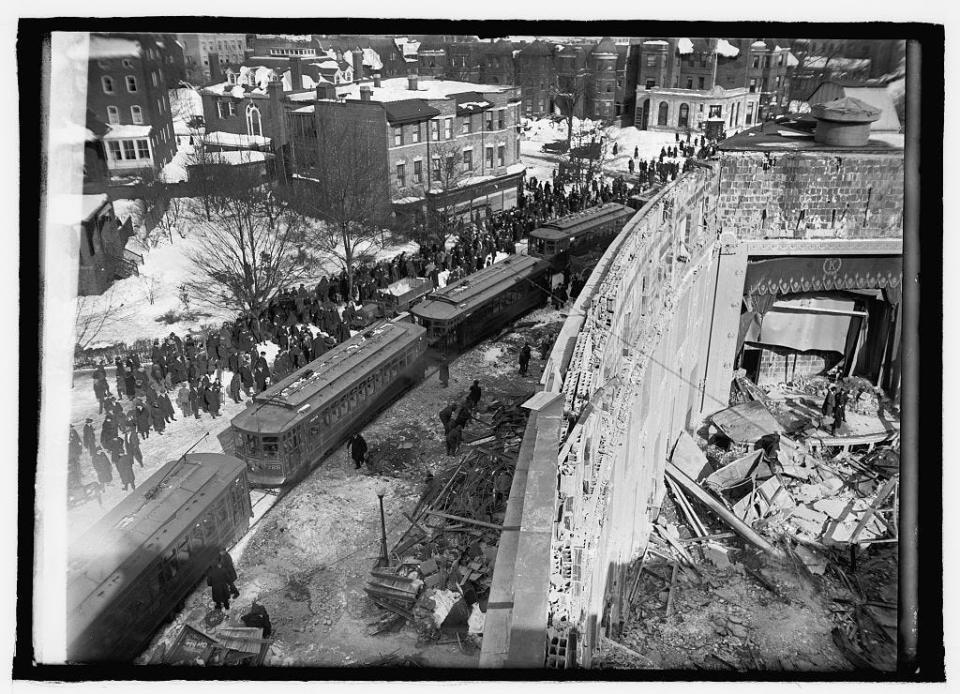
811	194
780	364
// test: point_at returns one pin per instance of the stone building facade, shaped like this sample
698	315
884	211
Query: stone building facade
686	110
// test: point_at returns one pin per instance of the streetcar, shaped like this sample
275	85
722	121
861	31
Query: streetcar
138	564
578	240
464	312
292	425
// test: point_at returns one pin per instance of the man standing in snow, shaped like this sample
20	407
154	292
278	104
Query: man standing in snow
89	438
194	398
102	465
183	400
358	449
474	396
524	358
133	447
233	390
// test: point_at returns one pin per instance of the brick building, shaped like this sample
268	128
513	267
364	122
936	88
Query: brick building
227	48
602	89
536	74
443	144
127	89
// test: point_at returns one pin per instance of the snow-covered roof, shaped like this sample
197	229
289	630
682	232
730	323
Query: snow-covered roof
237	157
70	134
371	59
758	44
119	132
725	49
684	46
70	209
656	42
106	47
225	139
180	127
396	89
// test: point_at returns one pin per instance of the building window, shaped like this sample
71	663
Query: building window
447	128
397	135
143	149
779	81
415	132
136	113
153	78
651	84
700	83
231	108
113	115
689	83
489	155
501	153
716	111
401	175
750	113
418	171
231	78
127	64
435	130
221	109
465	125
756	61
129	149
500	118
468	159
107	84
683	120
780	61
489	118
651	61
662	113
254	126
115	151
131	83
436	168
753	84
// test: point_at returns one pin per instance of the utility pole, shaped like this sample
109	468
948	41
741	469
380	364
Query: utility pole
384	559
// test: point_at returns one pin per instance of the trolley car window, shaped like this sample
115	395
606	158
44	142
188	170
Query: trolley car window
270	446
251	445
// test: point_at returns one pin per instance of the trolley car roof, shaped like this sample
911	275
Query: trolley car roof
121	545
473	291
579	222
310	388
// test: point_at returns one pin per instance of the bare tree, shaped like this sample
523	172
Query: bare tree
348	194
246	248
90	322
447	174
569	92
812	68
151	285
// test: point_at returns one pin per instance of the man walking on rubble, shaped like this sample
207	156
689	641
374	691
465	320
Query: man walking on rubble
524	358
454	436
474	396
446	414
358	449
829	402
839	411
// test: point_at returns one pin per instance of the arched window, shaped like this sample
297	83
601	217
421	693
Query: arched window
684	119
253	121
662	113
107	83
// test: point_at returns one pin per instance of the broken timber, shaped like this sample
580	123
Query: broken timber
742	529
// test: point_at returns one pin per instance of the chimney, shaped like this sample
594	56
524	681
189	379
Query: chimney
844	122
412	82
376	80
357	64
325	90
296	73
365	92
213	61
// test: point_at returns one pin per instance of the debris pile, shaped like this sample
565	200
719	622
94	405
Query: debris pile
760	500
440	569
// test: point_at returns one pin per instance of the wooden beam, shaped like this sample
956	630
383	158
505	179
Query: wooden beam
482	524
741	528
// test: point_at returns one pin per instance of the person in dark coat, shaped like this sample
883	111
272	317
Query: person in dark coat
218	578
194	398
89	438
143	421
258	618
101	463
829	402
444	371
133	447
839	411
212	397
227	561
524	358
183	401
454	436
446	416
233	390
100	391
358	449
260	375
166	407
474	396
157	418
124	463
108	430
246	379
130	385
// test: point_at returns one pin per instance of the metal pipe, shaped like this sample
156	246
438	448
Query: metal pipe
384	557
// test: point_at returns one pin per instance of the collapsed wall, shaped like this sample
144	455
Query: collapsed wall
627	371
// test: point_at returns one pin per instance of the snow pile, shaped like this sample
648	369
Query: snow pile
656	42
725	49
133	210
684	46
185	104
443	602
371	59
492	354
758	44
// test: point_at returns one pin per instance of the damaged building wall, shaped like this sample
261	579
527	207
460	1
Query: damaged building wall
811	194
636	336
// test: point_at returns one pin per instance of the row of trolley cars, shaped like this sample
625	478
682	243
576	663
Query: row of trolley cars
138	564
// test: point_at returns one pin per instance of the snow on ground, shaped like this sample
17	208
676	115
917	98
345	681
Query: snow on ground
185	103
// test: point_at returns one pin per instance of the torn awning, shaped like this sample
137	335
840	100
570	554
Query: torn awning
766	279
747	422
802	324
